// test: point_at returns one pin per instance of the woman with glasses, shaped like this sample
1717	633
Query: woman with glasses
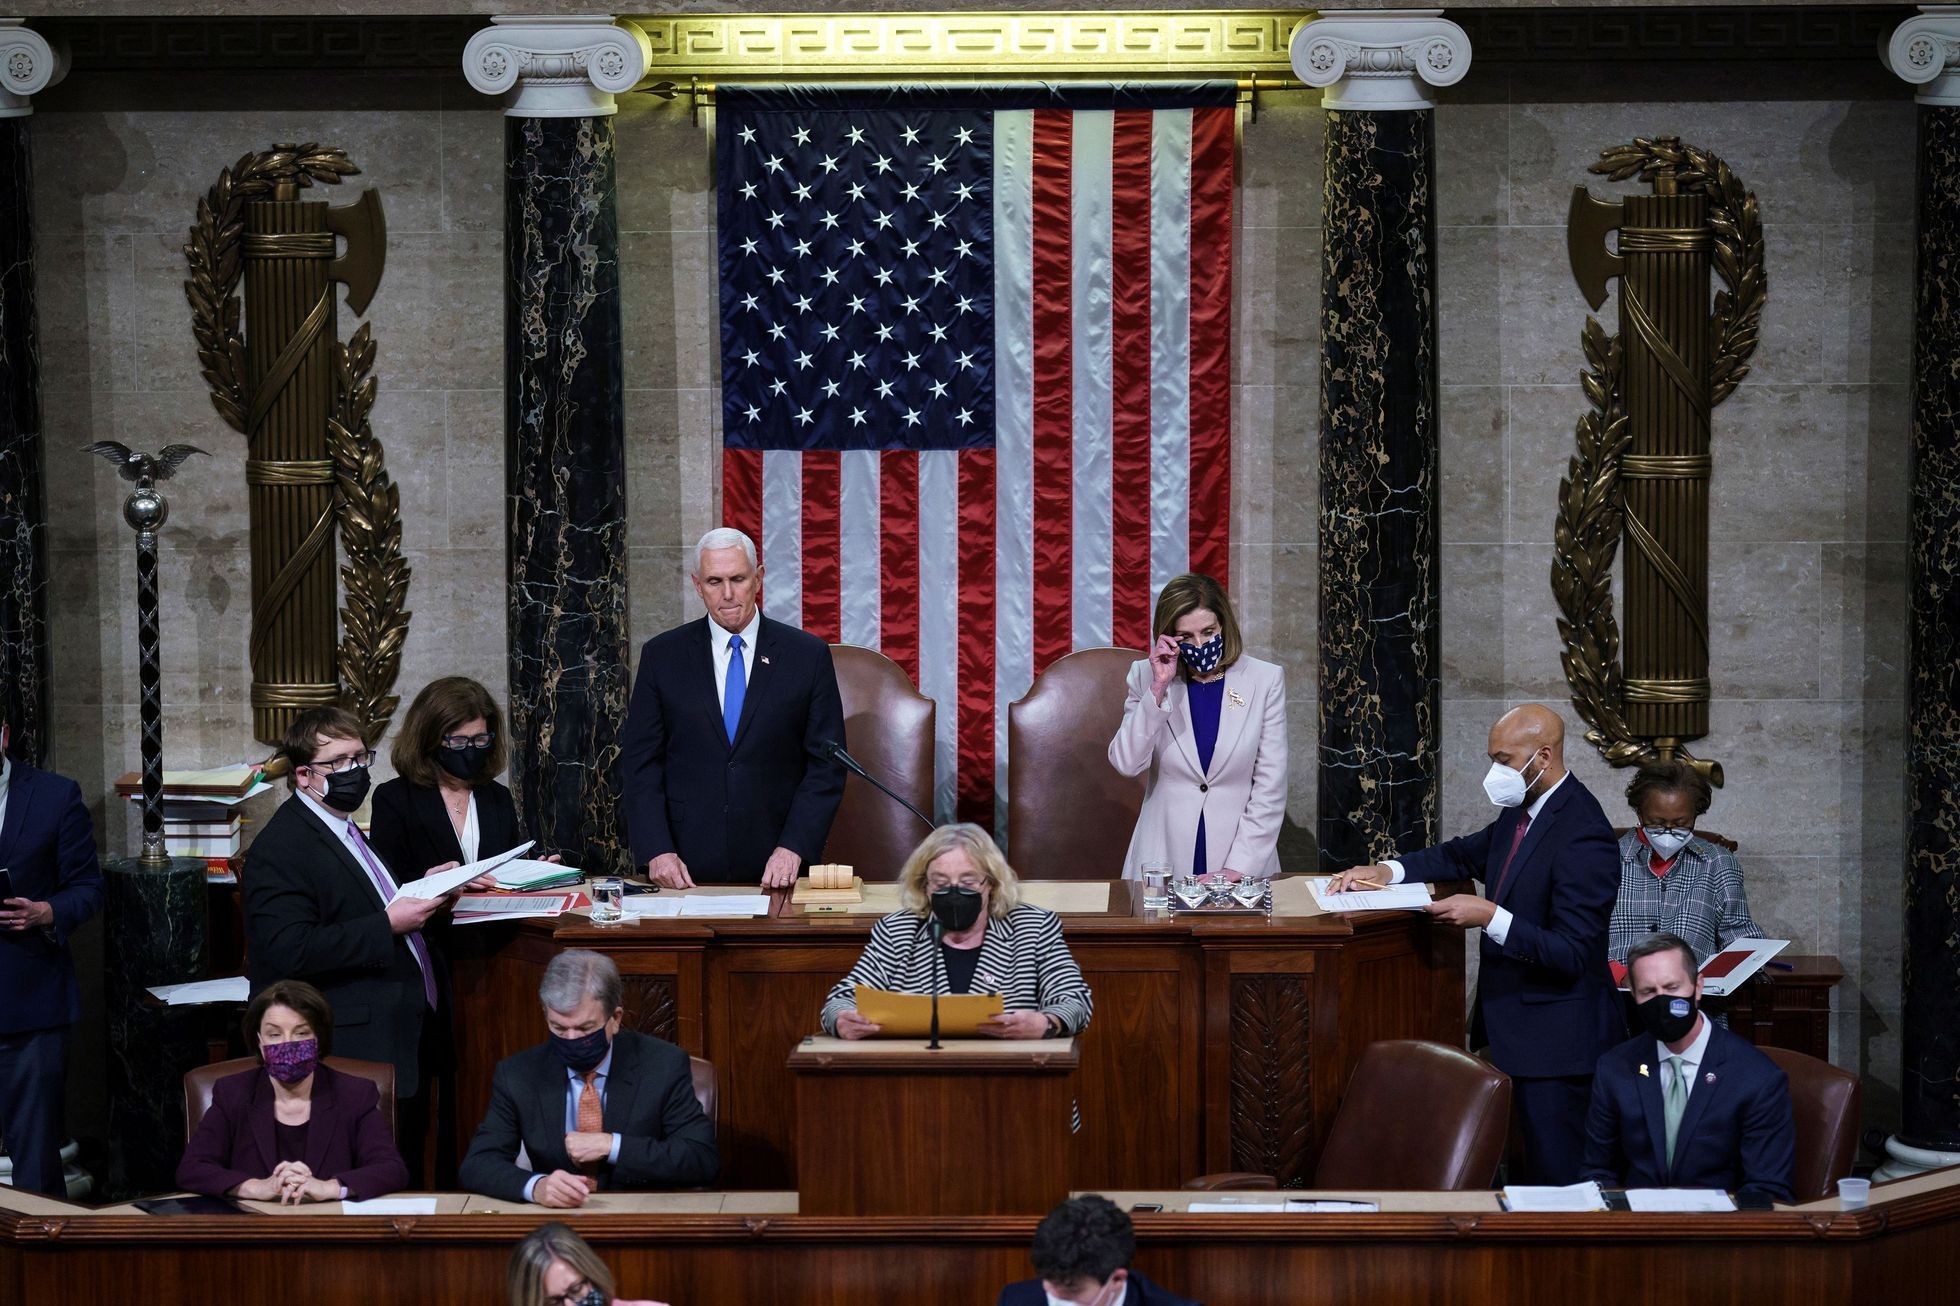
555	1267
989	942
445	803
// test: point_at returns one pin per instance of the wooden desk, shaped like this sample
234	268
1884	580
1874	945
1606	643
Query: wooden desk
1788	1008
1428	1249
1218	1044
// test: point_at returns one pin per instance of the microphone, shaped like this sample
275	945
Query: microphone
834	750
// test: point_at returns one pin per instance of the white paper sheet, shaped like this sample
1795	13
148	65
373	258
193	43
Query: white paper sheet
1679	1199
1396	897
444	882
726	904
391	1206
653	904
1573	1197
523	872
498	904
1755	953
234	989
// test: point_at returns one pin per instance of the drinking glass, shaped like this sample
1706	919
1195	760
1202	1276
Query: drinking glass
1156	884
608	902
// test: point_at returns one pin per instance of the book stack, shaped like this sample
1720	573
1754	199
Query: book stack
203	813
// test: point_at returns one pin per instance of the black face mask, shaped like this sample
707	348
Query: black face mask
463	763
955	908
346	789
584	1052
1667	1016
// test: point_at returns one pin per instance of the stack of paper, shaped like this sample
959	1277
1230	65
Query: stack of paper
1573	1197
524	873
474	907
443	883
1679	1199
1396	897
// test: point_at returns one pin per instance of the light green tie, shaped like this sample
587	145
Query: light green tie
1675	1104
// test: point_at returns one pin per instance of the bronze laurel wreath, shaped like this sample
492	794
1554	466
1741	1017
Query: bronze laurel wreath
1587	532
374	577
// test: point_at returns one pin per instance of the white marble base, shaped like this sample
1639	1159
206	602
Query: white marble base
78	1181
1904	1160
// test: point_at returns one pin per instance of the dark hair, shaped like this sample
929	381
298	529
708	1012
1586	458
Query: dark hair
309	1002
1183	595
1084	1237
442	706
1669	776
301	742
1656	943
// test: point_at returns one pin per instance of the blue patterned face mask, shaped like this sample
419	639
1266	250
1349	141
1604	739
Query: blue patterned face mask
1203	658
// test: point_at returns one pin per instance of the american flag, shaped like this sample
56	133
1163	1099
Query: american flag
976	372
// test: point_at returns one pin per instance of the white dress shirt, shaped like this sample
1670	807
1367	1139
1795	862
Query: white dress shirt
718	637
6	779
472	834
1499	928
1690	1056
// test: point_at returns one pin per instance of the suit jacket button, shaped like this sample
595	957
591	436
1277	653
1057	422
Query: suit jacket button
1204	788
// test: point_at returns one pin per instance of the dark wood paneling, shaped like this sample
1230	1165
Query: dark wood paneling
1272	1076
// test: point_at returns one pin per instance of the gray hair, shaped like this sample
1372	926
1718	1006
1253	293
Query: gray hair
724	537
575	975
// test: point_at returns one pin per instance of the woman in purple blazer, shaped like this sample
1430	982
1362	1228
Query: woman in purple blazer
1206	726
294	1130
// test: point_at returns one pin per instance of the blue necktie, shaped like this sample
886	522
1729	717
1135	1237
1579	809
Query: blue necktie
736	685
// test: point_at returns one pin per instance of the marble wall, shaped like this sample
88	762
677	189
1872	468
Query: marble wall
1808	582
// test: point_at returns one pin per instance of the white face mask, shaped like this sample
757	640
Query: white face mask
1505	786
1108	1295
1666	843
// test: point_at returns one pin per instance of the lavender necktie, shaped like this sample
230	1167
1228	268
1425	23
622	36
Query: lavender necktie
387	890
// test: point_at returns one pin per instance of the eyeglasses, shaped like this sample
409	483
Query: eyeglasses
363	758
468	741
973	882
572	1296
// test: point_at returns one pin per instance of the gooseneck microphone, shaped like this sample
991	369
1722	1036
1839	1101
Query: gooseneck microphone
833	749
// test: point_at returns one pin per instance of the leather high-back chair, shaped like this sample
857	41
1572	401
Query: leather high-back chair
888	728
1824	1100
201	1081
1069	812
1417	1116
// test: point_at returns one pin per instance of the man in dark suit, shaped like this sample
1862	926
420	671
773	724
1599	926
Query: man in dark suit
1082	1251
47	848
727	777
1685	1103
322	906
1546	1004
595	1106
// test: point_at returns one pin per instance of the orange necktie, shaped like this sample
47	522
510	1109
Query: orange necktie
591	1112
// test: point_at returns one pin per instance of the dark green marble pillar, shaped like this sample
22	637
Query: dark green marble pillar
1379	559
566	465
1931	1018
23	501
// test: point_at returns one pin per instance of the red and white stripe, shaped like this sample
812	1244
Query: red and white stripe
1111	470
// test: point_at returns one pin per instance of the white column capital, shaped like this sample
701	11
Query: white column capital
29	64
1380	58
1925	50
557	67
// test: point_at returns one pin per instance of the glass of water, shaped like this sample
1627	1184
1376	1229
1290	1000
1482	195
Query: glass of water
608	902
1156	884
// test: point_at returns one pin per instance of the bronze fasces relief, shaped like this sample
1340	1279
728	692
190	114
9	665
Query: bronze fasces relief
280	376
1640	473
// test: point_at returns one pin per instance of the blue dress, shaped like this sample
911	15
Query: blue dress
1206	698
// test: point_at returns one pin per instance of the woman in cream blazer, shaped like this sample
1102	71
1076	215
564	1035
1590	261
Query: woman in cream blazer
1198	680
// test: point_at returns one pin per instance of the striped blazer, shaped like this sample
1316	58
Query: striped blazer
1022	957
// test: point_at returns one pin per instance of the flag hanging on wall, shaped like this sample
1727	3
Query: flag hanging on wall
976	374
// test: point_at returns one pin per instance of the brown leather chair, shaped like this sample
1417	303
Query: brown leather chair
201	1081
1825	1101
888	728
1069	813
703	1072
1417	1116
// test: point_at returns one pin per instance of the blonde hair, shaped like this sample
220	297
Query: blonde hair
524	1280
1184	595
980	848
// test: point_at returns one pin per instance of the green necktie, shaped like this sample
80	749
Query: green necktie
1675	1105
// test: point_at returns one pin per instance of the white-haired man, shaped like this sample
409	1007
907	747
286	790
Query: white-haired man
727	776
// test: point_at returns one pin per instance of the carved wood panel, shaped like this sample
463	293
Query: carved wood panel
1272	1098
651	1006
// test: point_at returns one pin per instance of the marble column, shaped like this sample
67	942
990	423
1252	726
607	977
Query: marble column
1380	557
28	64
1926	51
565	452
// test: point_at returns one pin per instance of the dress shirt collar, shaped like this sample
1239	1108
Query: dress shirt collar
6	778
719	635
1538	804
335	821
1691	1056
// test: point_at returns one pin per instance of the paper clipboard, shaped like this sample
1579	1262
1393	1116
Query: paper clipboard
909	1015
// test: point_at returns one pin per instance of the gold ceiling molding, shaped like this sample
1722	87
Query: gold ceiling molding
695	51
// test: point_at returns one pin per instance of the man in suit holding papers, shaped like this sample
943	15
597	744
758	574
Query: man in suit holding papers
1685	1103
1546	1004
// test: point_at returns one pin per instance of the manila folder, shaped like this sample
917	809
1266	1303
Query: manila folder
909	1015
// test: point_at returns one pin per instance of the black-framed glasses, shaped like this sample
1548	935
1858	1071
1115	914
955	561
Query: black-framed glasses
469	741
572	1296
363	758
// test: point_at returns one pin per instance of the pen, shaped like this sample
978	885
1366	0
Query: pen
1780	965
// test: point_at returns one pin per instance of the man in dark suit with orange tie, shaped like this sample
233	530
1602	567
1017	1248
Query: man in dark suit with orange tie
47	848
727	777
1546	1003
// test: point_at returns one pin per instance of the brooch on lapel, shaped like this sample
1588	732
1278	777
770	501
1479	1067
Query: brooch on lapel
1643	1070
1235	698
762	659
1708	1078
